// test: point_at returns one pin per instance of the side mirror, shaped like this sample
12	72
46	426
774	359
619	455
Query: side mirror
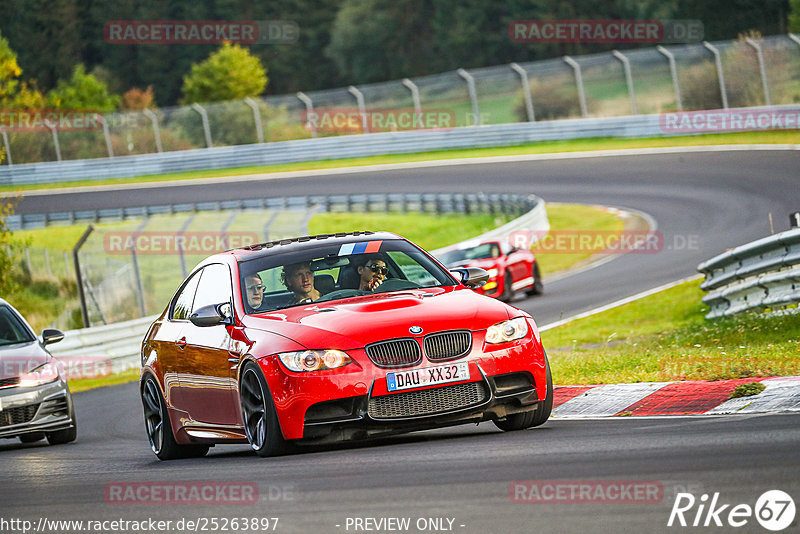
51	335
212	315
472	277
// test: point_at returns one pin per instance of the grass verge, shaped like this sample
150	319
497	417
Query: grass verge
665	337
576	145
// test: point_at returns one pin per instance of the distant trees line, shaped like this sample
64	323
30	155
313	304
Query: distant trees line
340	42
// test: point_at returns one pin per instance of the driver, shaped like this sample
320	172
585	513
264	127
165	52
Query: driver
372	273
299	279
254	290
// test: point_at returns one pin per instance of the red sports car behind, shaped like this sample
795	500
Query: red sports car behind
510	269
330	337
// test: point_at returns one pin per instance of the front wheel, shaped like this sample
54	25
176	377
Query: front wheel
537	288
258	413
159	428
537	417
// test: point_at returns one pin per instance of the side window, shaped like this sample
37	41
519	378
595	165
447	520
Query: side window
11	330
182	307
214	287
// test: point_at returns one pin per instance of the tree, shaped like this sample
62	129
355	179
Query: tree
82	91
794	15
13	92
230	73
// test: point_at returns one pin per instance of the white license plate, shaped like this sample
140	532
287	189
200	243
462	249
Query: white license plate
427	376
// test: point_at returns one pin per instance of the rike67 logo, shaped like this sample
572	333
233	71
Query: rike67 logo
774	510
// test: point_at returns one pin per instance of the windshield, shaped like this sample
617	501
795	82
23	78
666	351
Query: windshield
486	250
11	328
333	272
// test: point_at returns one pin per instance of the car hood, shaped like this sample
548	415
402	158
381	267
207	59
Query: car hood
355	322
483	263
20	358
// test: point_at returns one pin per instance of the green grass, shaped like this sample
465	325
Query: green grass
580	145
83	384
666	337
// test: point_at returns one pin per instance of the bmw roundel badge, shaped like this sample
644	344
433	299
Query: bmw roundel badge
415	330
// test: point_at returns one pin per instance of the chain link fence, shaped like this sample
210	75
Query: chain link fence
644	81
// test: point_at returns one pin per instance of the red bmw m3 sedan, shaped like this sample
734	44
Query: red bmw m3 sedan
331	337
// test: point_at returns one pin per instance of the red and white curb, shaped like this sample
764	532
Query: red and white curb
782	394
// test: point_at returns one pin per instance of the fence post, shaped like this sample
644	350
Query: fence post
7	146
268	224
673	70
304	98
626	65
182	258
415	98
761	67
473	95
256	118
225	226
206	128
362	107
55	139
106	134
720	75
578	82
526	91
156	131
78	276
136	272
47	263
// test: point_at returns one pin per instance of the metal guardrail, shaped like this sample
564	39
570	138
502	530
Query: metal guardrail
508	204
119	344
349	146
758	275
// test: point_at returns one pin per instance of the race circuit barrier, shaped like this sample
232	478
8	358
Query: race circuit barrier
764	274
435	203
116	347
354	146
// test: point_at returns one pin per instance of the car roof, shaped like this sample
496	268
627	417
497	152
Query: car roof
294	244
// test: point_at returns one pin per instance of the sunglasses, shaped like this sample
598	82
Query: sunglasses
258	287
378	269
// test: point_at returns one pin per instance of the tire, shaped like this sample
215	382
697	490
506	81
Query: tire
543	409
537	288
158	426
537	417
508	291
258	414
31	438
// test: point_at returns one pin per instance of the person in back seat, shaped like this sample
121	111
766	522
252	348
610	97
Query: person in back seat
299	279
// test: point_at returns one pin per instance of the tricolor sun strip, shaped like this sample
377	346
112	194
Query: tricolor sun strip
360	248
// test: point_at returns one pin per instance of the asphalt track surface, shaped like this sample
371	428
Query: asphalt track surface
465	474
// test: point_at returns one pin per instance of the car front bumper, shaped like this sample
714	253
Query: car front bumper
44	408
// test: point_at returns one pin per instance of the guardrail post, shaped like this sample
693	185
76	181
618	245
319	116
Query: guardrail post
626	65
673	70
55	139
204	117
415	98
720	75
526	91
473	95
79	276
304	98
579	83
362	107
156	131
256	118
761	67
7	146
107	135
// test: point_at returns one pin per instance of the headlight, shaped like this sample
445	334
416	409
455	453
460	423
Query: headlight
44	374
314	360
507	331
492	272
